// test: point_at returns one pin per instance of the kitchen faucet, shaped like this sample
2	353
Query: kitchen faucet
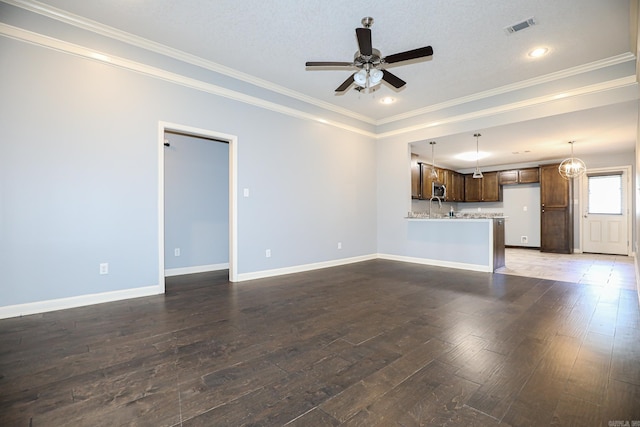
439	204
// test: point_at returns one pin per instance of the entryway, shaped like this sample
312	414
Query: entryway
168	128
605	217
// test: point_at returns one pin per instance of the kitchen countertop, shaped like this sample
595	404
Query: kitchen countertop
458	216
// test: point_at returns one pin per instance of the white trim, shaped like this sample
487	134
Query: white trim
437	263
160	74
302	268
195	269
77	301
84	300
133	40
582	201
233	197
80	22
531	102
569	72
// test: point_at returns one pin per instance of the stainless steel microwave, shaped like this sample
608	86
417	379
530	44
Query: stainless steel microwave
438	190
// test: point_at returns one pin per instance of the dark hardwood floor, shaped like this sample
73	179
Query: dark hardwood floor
374	343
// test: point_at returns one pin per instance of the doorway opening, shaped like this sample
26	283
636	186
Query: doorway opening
606	220
215	137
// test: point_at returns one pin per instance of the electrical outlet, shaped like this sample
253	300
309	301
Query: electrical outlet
176	252
267	253
339	245
524	208
104	268
245	192
524	239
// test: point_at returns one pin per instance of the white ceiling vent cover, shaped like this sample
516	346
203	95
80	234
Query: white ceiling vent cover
520	25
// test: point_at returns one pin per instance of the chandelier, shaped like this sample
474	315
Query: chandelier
572	167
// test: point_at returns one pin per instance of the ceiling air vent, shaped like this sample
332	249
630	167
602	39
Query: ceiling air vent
520	26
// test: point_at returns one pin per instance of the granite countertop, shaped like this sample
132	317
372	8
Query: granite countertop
458	215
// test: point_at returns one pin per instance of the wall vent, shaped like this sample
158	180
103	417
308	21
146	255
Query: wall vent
520	25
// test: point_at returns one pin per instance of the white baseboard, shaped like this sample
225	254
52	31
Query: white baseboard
83	300
77	301
437	263
195	269
301	268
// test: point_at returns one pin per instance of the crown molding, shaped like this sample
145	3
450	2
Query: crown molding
93	55
85	52
531	102
140	42
569	72
90	54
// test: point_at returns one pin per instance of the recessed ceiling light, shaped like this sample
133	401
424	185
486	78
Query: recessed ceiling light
536	53
472	156
388	100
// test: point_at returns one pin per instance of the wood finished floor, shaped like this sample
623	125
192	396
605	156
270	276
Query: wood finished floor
375	343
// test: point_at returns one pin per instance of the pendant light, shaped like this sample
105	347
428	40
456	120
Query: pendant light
572	167
477	173
433	173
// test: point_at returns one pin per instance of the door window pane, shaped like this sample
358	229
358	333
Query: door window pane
605	194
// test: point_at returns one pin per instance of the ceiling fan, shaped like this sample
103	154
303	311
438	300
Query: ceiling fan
370	63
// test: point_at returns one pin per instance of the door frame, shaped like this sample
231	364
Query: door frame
232	140
626	170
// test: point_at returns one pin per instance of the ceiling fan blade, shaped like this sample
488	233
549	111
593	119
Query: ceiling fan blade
345	85
410	54
329	64
364	41
392	79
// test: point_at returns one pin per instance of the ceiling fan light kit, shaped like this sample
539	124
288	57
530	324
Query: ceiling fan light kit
370	63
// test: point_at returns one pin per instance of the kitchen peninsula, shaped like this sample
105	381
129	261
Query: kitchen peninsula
463	242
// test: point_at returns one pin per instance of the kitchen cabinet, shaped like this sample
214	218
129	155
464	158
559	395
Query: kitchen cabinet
556	211
519	176
428	179
485	189
454	182
472	189
529	175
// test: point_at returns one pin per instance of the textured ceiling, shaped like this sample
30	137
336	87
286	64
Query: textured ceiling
272	40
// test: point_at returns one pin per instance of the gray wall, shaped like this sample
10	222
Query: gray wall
196	200
80	179
521	222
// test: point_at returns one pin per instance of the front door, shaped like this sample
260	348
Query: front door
605	213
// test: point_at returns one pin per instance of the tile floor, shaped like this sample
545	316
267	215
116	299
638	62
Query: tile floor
614	271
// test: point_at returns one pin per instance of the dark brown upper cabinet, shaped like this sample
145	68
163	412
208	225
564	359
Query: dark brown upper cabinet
485	189
454	182
519	176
